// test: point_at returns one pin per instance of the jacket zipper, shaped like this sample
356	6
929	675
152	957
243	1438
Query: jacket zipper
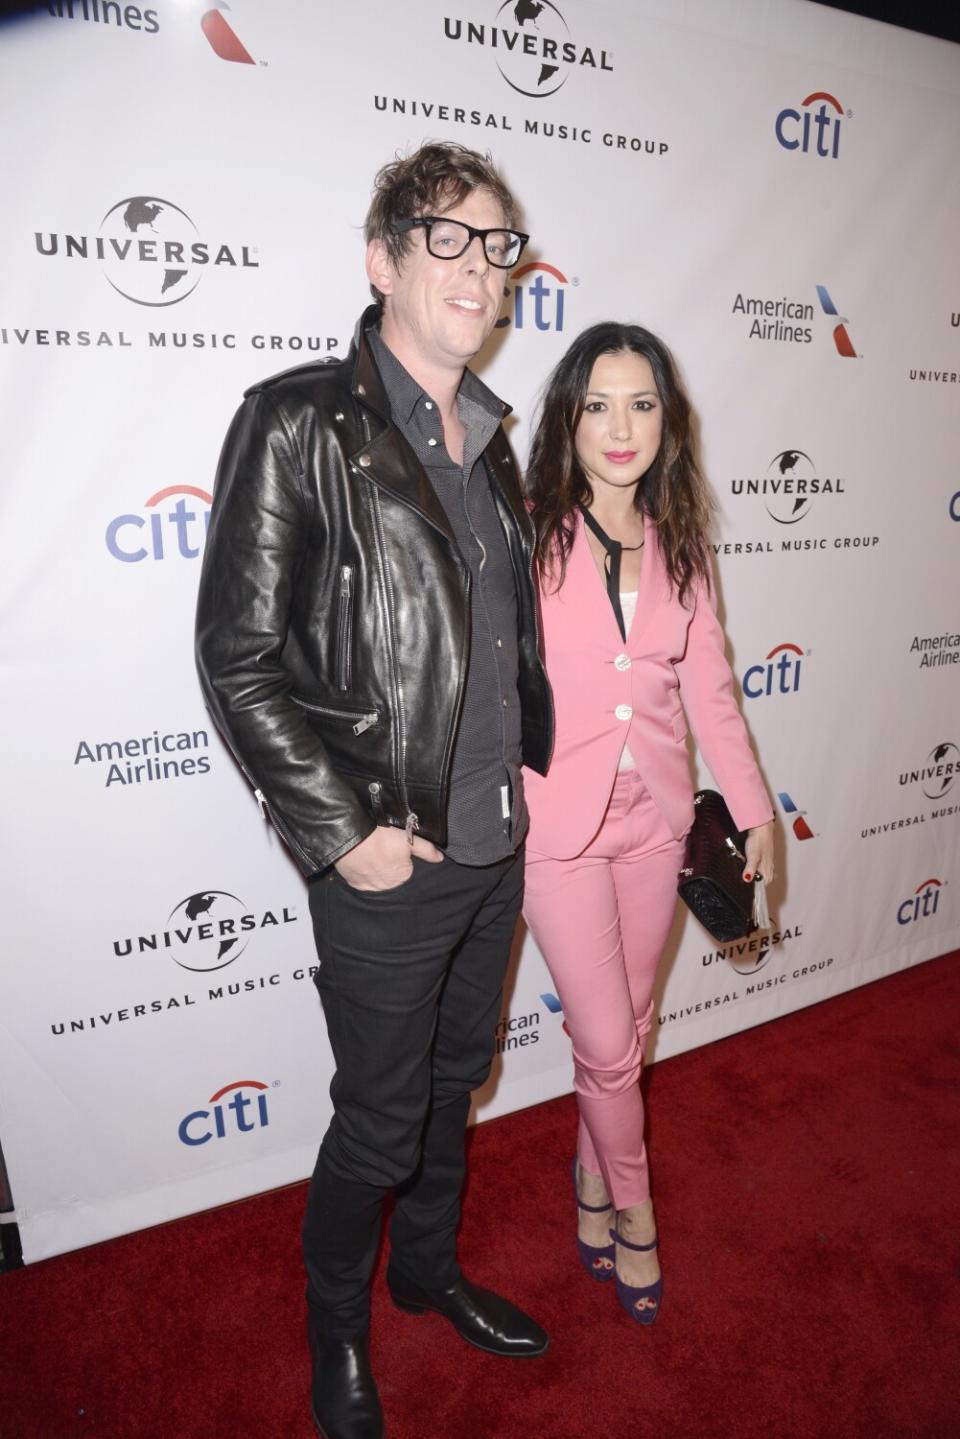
267	813
344	629
363	722
412	822
458	707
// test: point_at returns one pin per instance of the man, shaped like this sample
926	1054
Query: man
367	642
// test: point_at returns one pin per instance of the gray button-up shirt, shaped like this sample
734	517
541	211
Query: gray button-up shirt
486	814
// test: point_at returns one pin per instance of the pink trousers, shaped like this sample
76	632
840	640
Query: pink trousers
601	921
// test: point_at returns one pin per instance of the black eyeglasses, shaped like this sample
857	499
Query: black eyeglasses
449	239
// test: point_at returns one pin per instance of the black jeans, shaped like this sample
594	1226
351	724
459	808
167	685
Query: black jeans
411	981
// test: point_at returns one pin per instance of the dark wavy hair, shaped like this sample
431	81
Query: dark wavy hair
673	492
433	179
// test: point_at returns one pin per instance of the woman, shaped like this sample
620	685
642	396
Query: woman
632	642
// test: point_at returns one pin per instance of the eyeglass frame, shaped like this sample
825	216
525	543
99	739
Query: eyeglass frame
402	227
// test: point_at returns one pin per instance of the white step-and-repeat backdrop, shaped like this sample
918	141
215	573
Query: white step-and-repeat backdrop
773	187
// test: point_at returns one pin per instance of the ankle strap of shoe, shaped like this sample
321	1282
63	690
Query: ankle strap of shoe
593	1208
618	1238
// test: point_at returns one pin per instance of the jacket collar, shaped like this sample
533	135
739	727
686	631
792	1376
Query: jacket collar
385	457
367	384
388	460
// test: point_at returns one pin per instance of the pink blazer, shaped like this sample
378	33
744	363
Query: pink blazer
671	667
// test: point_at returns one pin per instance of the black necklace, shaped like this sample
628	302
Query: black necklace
611	563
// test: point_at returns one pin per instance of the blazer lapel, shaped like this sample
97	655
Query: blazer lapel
591	584
652	566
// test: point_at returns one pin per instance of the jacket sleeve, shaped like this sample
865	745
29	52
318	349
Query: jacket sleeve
706	690
257	541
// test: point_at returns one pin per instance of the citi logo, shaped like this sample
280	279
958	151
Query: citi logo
795	129
185	532
841	336
800	827
241	1114
555	1007
922	903
222	38
778	674
538	297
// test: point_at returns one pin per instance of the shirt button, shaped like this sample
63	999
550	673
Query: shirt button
623	712
499	643
431	441
622	662
504	703
428	404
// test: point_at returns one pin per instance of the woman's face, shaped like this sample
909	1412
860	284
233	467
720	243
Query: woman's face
619	432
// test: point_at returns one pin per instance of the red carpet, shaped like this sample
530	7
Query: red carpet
806	1177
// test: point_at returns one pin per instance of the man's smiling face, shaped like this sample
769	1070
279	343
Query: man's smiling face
442	310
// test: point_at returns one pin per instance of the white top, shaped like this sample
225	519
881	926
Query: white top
628	607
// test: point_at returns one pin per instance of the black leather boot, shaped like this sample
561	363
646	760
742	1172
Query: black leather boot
484	1319
344	1397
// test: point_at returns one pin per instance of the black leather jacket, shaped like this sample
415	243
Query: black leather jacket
333	616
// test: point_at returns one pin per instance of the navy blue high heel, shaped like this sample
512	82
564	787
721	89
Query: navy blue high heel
596	1259
643	1305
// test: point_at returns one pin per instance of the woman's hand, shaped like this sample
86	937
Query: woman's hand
760	853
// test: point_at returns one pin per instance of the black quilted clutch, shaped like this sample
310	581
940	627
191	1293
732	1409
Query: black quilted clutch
711	881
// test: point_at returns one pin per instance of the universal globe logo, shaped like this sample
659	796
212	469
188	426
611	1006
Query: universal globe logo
789	486
535	50
938	774
149	249
536	66
790	500
210	927
208	930
164	237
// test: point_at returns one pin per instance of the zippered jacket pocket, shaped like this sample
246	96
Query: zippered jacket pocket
345	629
361	720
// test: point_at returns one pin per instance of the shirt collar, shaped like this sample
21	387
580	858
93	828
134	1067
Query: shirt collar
404	393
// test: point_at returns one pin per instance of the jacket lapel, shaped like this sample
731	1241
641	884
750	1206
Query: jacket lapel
593	586
385	457
503	472
390	463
